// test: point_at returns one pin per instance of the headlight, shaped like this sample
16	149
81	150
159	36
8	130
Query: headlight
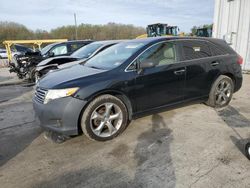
59	93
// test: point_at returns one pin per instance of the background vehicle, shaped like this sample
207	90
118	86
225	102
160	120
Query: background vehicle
134	78
63	48
79	56
34	44
160	29
16	50
22	66
25	64
204	32
3	54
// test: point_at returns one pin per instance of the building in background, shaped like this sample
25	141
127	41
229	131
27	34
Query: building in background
232	23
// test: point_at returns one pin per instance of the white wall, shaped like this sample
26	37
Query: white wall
232	22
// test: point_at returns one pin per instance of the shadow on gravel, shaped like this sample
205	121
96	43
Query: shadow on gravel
15	140
234	119
153	156
154	167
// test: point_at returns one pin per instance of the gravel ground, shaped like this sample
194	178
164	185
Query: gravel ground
192	146
3	62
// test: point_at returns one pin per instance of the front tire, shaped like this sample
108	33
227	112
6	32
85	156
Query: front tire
32	75
37	76
221	92
104	118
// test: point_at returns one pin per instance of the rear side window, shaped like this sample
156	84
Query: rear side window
73	47
217	50
81	44
196	50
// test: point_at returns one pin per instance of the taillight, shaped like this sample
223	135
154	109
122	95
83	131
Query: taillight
240	60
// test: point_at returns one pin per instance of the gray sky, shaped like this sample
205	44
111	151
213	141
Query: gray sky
48	14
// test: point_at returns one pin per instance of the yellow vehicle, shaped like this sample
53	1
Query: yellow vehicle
159	29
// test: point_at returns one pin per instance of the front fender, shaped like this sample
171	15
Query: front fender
38	69
89	96
88	92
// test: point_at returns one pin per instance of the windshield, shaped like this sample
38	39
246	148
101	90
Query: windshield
87	50
114	56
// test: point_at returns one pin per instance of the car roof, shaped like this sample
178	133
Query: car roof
79	41
107	42
156	39
72	41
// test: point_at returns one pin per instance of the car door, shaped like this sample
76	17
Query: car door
162	84
201	68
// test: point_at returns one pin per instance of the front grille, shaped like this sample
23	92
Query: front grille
40	94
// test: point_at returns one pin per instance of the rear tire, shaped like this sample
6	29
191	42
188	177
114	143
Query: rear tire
247	150
221	92
104	118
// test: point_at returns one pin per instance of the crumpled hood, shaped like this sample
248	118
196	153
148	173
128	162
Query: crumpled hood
55	78
47	61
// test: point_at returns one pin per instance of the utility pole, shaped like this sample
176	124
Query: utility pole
75	26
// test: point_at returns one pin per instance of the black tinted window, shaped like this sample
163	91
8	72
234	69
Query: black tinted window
196	50
73	47
217	50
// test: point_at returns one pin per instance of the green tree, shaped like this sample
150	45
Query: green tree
110	31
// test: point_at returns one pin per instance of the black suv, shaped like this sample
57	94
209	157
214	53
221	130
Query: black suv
135	77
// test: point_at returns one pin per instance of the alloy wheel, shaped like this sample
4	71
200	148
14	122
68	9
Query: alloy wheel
106	119
223	92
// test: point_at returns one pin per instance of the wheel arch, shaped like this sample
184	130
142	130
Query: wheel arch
230	75
115	93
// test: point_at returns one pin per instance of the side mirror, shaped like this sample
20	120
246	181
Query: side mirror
146	64
51	54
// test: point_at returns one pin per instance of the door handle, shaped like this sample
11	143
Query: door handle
215	63
179	72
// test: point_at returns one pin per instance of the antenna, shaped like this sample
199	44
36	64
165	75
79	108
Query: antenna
75	27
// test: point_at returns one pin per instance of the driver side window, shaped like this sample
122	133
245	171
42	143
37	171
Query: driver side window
60	50
160	54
